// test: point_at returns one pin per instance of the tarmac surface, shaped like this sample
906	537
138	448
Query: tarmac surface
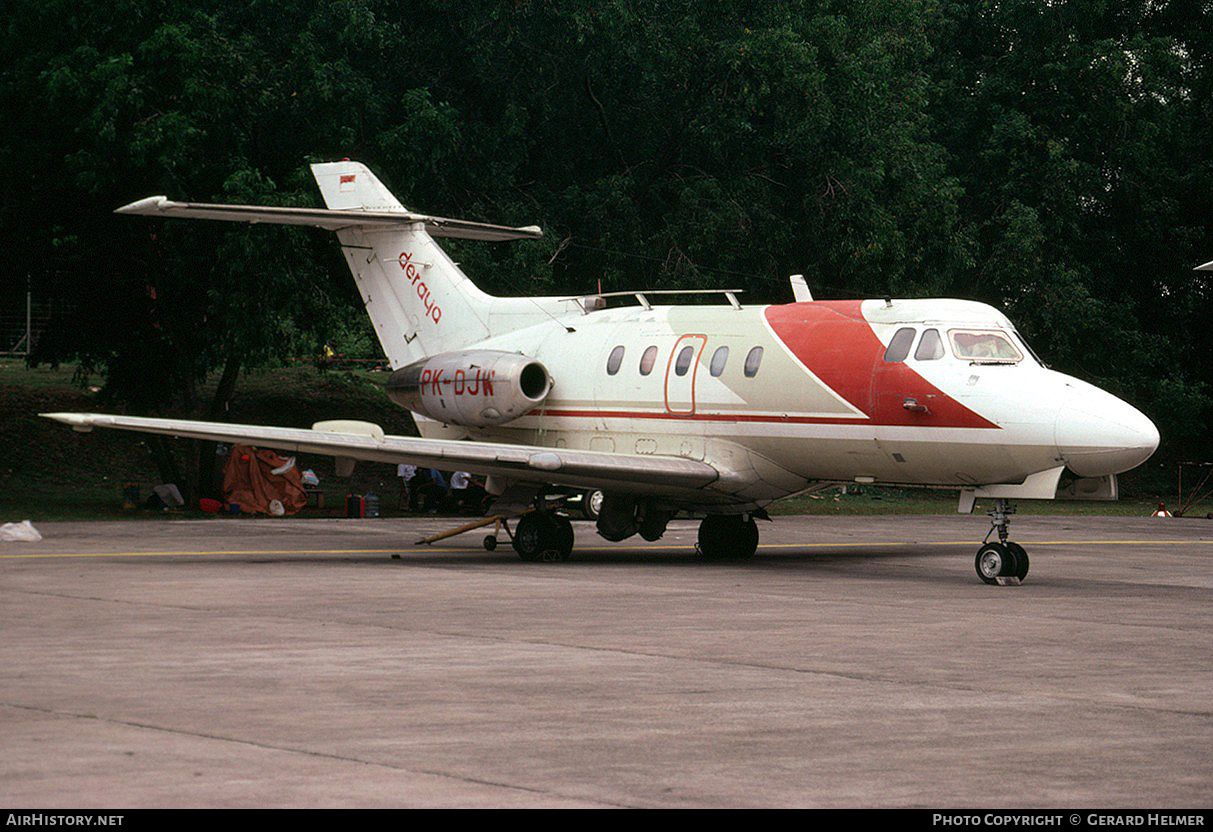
855	661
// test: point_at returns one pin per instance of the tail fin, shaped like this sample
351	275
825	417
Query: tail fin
418	299
349	186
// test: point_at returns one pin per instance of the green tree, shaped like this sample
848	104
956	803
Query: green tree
1077	131
1051	158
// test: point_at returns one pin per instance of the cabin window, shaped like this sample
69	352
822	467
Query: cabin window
648	360
719	358
683	362
615	359
899	347
987	346
930	347
752	360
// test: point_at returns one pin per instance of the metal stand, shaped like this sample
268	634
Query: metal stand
498	521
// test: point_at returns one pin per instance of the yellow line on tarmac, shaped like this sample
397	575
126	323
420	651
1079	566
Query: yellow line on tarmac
1208	542
595	549
217	552
1025	543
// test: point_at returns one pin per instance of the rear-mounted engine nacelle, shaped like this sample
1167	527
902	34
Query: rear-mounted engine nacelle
477	388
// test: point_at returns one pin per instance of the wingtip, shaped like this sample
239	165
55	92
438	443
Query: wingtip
150	205
66	418
81	422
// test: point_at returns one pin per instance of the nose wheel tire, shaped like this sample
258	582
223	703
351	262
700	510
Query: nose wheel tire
1001	560
993	562
1021	559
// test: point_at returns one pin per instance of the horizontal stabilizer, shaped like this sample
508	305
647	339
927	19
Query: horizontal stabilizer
160	206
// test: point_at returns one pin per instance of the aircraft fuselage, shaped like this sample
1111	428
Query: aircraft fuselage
793	394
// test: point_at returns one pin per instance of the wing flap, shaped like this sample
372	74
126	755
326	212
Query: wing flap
642	474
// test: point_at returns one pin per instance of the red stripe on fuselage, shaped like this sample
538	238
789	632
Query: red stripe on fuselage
700	417
838	345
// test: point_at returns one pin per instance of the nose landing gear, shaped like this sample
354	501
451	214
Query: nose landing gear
1004	559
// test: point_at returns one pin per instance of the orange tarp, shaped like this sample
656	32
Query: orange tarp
249	481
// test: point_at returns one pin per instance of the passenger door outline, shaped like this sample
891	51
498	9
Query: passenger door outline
680	390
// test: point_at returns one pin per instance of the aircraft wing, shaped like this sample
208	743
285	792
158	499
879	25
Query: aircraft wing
333	220
641	474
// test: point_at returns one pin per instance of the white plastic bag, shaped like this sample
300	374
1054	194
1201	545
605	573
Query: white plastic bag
23	532
169	494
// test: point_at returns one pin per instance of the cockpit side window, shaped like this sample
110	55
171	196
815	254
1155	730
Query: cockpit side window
1028	348
930	347
987	346
899	347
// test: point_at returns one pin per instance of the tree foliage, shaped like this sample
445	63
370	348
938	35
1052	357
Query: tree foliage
1052	158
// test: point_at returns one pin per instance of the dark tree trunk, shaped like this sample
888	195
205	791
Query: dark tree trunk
209	481
166	464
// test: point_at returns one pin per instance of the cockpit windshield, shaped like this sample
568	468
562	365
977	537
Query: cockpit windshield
987	346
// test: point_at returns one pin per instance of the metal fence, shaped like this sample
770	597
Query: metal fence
26	311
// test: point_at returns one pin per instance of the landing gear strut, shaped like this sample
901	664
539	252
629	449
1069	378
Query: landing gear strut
1003	559
543	536
733	536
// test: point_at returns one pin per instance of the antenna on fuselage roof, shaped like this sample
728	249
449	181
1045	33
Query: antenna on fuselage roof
800	289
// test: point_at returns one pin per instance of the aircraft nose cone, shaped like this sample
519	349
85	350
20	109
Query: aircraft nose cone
1098	434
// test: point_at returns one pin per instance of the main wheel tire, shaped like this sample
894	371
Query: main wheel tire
591	504
727	537
710	543
562	535
540	536
530	537
1021	560
747	539
994	561
652	527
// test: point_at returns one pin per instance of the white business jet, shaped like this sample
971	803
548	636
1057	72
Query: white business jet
710	410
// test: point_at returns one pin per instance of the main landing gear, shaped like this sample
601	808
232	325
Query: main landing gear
545	536
727	536
1003	559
